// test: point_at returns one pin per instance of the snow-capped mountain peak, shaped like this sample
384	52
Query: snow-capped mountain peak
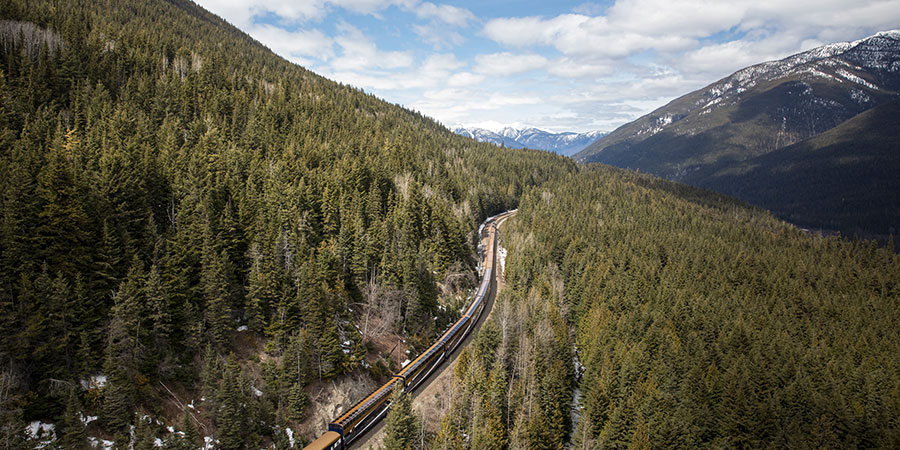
565	143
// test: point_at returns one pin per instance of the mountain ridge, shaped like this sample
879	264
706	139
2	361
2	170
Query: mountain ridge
565	143
756	111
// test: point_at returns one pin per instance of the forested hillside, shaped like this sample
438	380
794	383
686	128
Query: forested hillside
186	215
699	322
843	179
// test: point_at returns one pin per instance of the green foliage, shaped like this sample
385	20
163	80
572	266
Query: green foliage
401	428
231	416
73	434
702	323
165	180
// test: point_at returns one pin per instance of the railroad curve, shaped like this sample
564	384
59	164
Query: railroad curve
345	431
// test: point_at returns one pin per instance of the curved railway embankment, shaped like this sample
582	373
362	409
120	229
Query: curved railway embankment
348	430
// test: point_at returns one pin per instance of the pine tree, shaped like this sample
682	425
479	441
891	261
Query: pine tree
297	401
74	436
491	434
401	427
186	439
261	290
231	411
123	350
144	435
219	325
331	354
62	234
157	307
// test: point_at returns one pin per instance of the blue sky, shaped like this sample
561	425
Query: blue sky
555	65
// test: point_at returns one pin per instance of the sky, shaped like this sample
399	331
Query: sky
550	64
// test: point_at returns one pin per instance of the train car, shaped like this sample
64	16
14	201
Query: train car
365	413
371	409
328	441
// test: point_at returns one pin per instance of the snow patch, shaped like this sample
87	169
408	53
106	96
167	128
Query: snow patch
87	419
243	328
94	382
851	77
101	443
290	434
713	102
43	433
37	429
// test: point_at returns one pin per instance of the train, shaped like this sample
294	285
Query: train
363	415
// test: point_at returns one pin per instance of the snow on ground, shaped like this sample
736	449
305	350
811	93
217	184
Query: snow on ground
95	381
87	419
501	255
100	443
290	435
43	433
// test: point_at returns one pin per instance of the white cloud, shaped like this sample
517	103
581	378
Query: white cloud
438	36
242	12
301	44
632	26
448	14
371	6
359	52
506	64
465	79
589	66
566	67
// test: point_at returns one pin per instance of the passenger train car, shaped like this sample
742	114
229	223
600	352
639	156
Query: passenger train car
371	409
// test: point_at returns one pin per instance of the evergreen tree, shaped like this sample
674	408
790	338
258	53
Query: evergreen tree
144	435
401	425
158	309
230	417
124	351
74	436
219	325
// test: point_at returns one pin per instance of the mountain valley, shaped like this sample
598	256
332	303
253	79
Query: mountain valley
204	245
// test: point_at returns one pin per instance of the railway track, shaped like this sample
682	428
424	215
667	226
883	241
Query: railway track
365	415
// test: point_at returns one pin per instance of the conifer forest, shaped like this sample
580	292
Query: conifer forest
198	236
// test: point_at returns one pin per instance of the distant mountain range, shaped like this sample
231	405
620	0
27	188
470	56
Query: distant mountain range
749	123
567	143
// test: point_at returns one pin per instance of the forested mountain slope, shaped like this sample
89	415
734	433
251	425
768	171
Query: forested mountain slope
843	179
700	323
189	215
707	137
